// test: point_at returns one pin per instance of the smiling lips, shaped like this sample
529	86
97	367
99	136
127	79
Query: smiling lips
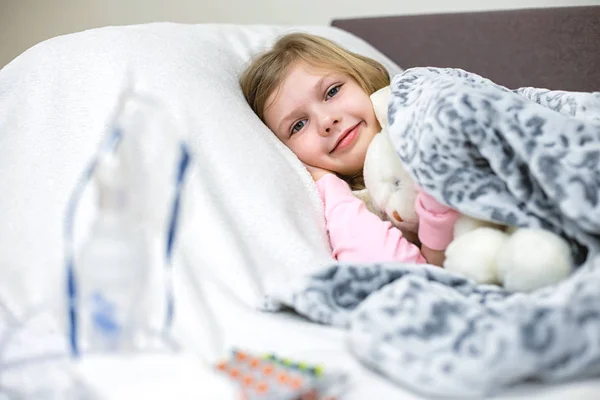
346	138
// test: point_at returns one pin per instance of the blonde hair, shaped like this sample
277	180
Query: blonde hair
266	72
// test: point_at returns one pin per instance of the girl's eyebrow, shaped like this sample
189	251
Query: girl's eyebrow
317	88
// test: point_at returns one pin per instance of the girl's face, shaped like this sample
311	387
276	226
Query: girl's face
324	117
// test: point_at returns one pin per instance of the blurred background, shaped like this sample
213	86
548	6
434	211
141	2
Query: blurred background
23	23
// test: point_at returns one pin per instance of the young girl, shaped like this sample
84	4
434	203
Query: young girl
314	95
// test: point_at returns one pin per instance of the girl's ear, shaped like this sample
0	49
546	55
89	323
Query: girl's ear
380	100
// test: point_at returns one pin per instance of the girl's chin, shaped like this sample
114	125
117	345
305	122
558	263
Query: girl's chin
356	169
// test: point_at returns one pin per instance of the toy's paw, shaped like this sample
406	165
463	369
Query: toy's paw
474	254
466	224
533	258
390	186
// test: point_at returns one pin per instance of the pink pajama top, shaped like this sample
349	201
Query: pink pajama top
357	235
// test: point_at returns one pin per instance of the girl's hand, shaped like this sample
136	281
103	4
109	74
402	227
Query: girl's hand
316	172
434	257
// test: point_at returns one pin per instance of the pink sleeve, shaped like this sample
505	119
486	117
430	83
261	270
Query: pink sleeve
355	233
436	222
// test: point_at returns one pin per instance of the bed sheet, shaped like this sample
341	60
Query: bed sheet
183	375
290	335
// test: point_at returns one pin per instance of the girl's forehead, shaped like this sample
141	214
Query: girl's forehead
315	68
302	76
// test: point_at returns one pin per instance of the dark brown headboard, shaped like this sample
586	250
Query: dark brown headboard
554	48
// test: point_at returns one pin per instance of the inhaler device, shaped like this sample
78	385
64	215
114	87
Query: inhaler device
114	277
113	266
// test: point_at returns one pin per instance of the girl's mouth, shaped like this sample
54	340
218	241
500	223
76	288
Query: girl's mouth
346	138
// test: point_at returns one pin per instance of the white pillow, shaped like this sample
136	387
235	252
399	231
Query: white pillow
56	101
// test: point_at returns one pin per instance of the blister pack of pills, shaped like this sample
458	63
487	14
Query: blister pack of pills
269	377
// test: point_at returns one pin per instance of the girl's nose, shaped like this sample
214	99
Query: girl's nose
330	123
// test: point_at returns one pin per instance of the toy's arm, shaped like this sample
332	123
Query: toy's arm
355	233
436	222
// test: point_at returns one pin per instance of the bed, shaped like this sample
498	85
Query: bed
242	236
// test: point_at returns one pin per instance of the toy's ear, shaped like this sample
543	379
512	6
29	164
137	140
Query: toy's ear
380	104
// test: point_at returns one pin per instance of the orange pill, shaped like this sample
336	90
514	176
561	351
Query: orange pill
222	366
262	387
248	380
234	372
254	362
268	369
296	383
282	377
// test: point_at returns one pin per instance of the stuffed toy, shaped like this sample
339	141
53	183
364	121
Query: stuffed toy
520	259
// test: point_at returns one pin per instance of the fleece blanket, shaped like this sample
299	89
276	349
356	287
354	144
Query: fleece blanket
528	157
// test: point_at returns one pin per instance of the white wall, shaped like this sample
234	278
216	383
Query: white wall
24	23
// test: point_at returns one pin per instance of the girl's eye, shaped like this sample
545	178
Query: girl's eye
297	126
333	91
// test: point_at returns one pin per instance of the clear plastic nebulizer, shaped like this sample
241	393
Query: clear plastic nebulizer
112	267
119	285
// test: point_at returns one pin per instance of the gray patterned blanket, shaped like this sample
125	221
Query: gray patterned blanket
529	157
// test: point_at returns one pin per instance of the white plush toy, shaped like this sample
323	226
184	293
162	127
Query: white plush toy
520	259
